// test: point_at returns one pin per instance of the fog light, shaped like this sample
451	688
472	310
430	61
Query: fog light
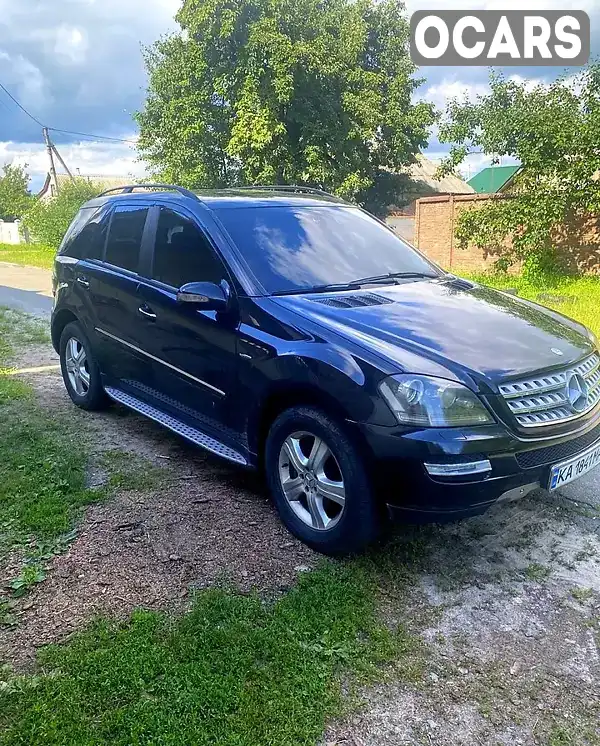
459	470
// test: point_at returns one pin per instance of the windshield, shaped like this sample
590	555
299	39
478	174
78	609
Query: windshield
297	248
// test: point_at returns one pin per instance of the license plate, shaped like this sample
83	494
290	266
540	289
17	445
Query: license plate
575	467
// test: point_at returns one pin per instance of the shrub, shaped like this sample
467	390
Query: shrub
47	221
14	195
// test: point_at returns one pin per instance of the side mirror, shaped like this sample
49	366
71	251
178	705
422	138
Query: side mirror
205	295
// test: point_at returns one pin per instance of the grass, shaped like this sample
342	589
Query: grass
42	469
126	471
235	671
537	573
30	255
581	294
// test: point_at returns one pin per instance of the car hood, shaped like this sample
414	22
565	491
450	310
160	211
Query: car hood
456	324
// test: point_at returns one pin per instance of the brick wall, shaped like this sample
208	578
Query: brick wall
436	217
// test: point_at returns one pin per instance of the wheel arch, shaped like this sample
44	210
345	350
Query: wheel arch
297	395
59	321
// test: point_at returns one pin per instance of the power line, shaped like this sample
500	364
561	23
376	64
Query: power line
94	137
9	94
64	132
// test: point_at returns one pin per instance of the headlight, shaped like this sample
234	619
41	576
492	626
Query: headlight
433	402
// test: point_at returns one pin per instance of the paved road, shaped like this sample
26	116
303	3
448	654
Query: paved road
26	288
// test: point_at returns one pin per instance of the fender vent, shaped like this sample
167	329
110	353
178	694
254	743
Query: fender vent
353	301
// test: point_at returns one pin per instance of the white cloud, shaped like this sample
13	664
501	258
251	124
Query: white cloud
77	64
69	44
474	163
440	93
20	73
88	158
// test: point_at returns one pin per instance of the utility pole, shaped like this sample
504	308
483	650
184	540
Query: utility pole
52	151
51	156
62	163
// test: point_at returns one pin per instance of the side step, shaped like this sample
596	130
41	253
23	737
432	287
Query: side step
186	431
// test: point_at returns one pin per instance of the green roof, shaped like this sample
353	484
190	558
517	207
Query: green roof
492	179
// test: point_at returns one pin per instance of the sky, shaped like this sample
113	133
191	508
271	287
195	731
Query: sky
77	65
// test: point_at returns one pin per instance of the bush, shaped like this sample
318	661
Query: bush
48	221
14	195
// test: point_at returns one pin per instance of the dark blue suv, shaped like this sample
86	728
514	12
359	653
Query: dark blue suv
284	329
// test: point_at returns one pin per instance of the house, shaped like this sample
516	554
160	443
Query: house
493	180
50	190
423	182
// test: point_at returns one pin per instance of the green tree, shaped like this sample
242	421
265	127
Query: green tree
47	221
14	195
554	132
285	92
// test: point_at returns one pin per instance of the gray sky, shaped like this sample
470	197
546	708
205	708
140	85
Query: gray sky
77	65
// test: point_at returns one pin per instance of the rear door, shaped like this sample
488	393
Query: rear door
111	283
83	244
194	350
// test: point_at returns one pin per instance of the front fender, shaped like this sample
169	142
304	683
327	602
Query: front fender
316	373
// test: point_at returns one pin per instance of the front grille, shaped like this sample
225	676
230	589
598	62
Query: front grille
552	398
558	453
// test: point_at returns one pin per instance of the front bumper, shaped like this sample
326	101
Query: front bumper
517	466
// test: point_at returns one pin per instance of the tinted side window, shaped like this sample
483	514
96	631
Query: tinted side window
79	233
182	253
125	236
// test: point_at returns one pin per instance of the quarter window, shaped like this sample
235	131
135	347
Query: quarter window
85	237
182	253
125	236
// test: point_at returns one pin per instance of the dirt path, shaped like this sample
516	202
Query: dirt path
507	605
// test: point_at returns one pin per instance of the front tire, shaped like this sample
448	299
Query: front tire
319	482
80	371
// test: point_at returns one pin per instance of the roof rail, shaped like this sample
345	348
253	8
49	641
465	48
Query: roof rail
128	189
299	188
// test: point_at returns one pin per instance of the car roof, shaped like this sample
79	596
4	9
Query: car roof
227	198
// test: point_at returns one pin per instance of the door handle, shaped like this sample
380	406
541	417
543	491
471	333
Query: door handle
147	312
83	282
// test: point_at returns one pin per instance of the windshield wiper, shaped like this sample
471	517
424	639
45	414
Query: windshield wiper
355	284
320	288
393	276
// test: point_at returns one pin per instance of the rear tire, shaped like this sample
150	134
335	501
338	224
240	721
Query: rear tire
80	371
319	482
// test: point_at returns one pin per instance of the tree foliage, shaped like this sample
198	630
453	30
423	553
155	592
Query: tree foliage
284	92
14	194
47	221
554	132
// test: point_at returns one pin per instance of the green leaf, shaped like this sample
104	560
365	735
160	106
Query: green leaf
279	92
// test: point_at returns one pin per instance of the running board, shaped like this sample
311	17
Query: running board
186	431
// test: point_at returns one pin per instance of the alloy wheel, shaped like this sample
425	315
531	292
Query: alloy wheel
77	366
311	480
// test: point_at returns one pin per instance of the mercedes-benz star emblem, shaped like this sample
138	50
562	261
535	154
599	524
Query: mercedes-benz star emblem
556	351
577	392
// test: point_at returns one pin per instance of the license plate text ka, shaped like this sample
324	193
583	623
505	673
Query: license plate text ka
565	473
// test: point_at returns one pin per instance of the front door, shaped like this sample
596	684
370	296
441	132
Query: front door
194	351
